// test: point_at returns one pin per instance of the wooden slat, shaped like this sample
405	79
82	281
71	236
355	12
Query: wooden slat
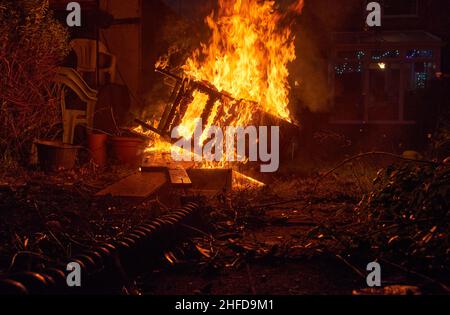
178	177
139	185
158	162
176	171
217	180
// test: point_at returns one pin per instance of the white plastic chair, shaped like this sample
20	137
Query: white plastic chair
68	78
86	51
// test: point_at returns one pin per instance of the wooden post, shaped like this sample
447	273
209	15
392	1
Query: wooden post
97	53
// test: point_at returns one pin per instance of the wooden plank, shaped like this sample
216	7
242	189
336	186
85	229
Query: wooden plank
139	185
178	177
209	179
176	171
160	162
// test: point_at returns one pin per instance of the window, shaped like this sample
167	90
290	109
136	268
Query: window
401	7
421	74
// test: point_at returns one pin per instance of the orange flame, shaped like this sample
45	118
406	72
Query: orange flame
248	54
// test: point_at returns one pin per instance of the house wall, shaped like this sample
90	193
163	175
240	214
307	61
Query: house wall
314	46
326	16
123	39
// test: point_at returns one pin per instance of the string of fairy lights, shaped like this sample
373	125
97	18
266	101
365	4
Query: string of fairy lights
352	62
378	56
351	67
419	53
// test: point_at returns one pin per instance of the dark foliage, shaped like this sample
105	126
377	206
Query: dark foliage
404	220
31	45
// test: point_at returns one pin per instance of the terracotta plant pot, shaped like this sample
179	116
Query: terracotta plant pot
97	148
128	150
55	155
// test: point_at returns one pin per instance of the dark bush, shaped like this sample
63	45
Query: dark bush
32	43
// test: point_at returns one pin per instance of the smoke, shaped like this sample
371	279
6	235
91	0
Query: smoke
310	73
319	19
297	6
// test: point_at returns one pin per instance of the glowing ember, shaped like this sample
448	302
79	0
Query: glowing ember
242	182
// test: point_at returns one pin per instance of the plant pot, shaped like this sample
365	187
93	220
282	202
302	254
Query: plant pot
55	155
128	150
97	148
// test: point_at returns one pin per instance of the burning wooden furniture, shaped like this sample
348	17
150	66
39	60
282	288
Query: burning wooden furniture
218	108
239	79
197	99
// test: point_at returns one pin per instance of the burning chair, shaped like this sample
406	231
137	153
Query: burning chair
214	108
238	79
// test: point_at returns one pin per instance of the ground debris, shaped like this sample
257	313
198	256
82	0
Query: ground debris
390	290
297	221
46	218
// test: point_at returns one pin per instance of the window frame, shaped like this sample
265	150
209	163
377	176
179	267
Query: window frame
394	16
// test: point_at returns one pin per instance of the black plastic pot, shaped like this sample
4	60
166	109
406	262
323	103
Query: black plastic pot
54	155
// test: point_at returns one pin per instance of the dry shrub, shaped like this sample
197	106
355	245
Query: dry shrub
441	138
32	43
